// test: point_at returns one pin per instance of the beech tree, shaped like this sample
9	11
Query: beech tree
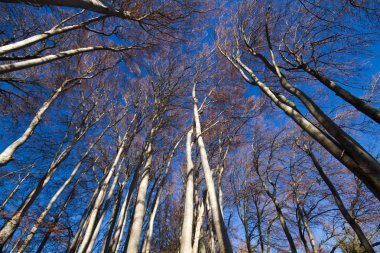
189	126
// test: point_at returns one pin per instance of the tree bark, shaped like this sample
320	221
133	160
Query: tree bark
11	67
12	224
100	199
187	225
140	208
45	35
358	231
90	5
220	228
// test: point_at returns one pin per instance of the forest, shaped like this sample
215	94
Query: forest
190	126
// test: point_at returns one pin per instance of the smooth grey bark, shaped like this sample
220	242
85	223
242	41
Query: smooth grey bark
100	198
15	66
351	221
358	103
55	197
112	221
12	224
47	34
140	208
366	162
91	5
188	216
198	224
149	234
122	219
370	178
107	201
220	228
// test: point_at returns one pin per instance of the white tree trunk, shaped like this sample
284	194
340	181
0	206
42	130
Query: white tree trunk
57	194
99	200
140	208
7	155
91	5
187	226
107	201
11	225
198	226
10	67
47	34
220	229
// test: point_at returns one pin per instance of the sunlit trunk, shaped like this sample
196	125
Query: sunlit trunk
187	225
221	231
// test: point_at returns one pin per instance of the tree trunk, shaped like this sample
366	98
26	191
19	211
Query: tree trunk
139	212
58	193
220	228
198	225
47	34
187	225
371	178
10	196
100	198
358	231
91	5
11	67
7	155
12	224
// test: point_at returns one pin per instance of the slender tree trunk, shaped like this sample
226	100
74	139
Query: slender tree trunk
100	198
7	155
365	161
112	221
83	222
149	232
11	67
122	219
358	103
279	212
13	191
220	228
57	217
358	231
299	225
47	34
107	201
308	230
12	224
187	225
91	5
370	177
140	208
198	225
58	193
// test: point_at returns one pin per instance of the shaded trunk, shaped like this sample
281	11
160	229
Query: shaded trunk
371	178
358	231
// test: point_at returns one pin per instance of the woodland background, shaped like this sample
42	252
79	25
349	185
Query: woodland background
189	126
